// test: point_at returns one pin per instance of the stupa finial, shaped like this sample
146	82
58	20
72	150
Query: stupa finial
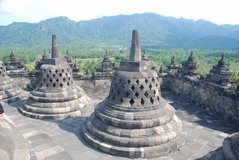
54	53
135	53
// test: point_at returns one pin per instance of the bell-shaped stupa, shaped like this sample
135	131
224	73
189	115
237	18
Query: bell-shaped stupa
221	74
56	96
9	90
134	120
190	67
229	150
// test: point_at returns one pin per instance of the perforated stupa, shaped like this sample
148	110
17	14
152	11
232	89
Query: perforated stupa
134	120
9	90
56	96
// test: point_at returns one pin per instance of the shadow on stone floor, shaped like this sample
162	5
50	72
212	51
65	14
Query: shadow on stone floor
190	112
74	126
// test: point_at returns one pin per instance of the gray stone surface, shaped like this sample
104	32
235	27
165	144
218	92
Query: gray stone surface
205	132
229	150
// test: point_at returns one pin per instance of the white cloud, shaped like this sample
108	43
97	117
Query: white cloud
221	12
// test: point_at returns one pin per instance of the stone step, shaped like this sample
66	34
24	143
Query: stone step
135	152
49	116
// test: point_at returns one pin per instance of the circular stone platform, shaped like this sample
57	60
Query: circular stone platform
134	120
9	90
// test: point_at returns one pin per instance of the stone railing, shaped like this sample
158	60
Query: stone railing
216	99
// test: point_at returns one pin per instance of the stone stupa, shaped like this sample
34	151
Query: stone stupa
221	74
55	96
190	67
13	64
106	70
229	150
172	67
9	89
134	120
40	62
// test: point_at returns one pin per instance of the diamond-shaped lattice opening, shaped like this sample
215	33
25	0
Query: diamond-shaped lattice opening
64	79
153	79
66	74
50	80
60	74
47	76
146	94
133	88
57	80
127	94
120	80
150	86
53	75
154	92
121	100
137	94
62	70
158	98
44	79
61	85
46	85
157	85
129	81
113	97
152	100
146	80
137	81
50	71
56	71
131	101
54	85
68	84
141	87
142	101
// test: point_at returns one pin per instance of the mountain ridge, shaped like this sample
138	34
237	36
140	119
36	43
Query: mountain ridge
155	30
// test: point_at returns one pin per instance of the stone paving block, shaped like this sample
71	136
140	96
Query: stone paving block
61	156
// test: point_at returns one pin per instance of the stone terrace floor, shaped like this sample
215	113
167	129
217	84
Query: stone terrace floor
61	140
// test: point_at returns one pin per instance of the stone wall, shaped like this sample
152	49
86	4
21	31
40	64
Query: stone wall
214	98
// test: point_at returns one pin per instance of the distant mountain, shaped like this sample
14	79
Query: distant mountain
155	31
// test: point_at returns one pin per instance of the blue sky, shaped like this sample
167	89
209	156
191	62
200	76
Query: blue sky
217	11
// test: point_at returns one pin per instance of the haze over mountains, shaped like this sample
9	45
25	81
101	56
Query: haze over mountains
155	31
